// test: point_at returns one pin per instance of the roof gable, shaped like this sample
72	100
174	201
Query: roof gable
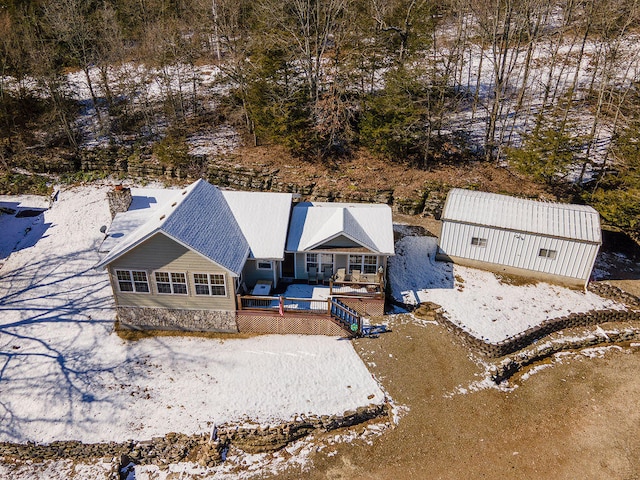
367	225
339	241
577	222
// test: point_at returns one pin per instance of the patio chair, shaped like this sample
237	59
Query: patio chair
327	273
340	275
355	276
312	276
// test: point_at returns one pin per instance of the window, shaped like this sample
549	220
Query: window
132	281
369	264
312	261
175	283
546	253
479	242
265	265
364	263
319	260
210	284
326	259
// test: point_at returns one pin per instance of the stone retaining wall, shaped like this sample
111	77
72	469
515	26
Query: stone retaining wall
138	162
206	449
526	338
514	363
529	336
175	319
607	290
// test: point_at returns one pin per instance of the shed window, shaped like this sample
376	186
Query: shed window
546	253
169	282
210	284
265	265
479	242
132	281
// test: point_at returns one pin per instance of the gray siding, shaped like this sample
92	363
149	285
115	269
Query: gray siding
338	242
251	274
521	250
160	253
339	261
301	266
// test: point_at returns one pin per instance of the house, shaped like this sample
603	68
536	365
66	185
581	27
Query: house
550	241
207	259
182	265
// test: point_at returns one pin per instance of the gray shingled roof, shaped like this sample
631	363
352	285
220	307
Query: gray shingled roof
201	220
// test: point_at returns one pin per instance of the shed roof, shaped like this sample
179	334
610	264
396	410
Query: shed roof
264	220
199	218
576	222
315	223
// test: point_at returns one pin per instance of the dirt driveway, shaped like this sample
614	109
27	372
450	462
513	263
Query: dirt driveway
577	419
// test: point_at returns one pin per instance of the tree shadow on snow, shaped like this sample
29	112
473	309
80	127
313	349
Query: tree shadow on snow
54	317
414	269
21	227
618	259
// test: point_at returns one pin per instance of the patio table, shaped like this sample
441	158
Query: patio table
263	287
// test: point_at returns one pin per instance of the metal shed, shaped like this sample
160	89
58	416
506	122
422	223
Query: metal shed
551	241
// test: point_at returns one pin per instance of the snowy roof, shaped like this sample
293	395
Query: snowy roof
313	224
198	218
577	222
264	219
122	225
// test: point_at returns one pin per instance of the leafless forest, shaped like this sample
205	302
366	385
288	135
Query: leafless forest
545	87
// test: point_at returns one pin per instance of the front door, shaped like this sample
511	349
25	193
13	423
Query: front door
288	266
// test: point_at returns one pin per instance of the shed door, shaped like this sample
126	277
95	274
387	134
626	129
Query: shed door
518	241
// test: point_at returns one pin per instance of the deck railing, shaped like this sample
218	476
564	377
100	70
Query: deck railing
289	304
361	288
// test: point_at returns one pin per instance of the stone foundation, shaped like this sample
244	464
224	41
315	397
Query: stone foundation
138	318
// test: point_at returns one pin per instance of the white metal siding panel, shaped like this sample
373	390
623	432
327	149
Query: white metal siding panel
520	250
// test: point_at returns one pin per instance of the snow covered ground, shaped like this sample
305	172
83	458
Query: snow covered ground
65	375
476	300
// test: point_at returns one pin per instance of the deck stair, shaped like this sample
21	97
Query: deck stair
345	316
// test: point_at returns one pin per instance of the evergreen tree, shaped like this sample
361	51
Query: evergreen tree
547	153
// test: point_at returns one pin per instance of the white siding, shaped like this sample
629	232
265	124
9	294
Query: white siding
520	250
